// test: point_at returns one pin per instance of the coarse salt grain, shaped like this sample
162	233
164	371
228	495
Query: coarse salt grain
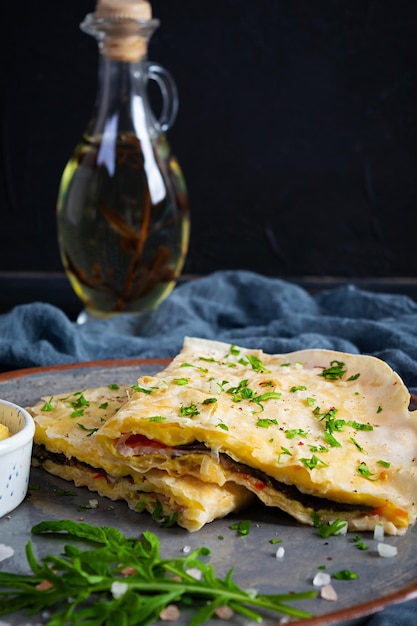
118	589
385	550
379	532
280	553
321	579
195	573
224	612
328	592
170	613
5	552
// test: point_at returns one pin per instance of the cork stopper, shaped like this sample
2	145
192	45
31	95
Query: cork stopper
128	27
124	9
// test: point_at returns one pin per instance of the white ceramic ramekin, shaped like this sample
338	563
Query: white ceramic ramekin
15	455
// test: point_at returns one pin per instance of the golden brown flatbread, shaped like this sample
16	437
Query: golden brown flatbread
314	433
65	445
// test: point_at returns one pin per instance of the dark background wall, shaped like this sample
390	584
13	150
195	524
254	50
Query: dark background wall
297	130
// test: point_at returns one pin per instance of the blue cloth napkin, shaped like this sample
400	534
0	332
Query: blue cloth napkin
239	307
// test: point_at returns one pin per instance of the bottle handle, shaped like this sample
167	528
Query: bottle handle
169	94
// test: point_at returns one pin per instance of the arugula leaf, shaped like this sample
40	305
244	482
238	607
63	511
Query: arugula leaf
122	580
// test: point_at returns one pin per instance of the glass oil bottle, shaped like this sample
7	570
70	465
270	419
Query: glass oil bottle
122	210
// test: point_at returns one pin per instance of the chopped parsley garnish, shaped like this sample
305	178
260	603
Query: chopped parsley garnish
332	441
90	431
298	388
222	384
284	451
365	472
180	381
142	389
48	406
290	434
156	418
384	463
165	521
222	425
326	529
359	447
345	574
204	370
80	402
256	364
242	528
114	386
189	411
353	377
359	425
360	545
318	448
266	423
270	395
335	371
313	463
209	401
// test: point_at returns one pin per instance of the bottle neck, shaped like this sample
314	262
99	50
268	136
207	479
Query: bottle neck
121	102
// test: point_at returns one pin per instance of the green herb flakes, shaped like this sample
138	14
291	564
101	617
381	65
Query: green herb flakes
189	411
142	389
48	406
209	401
313	463
360	545
180	381
290	434
345	574
90	431
335	371
256	364
266	423
384	463
365	472
242	528
325	529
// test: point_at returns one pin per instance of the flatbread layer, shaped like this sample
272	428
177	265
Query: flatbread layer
65	445
313	430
